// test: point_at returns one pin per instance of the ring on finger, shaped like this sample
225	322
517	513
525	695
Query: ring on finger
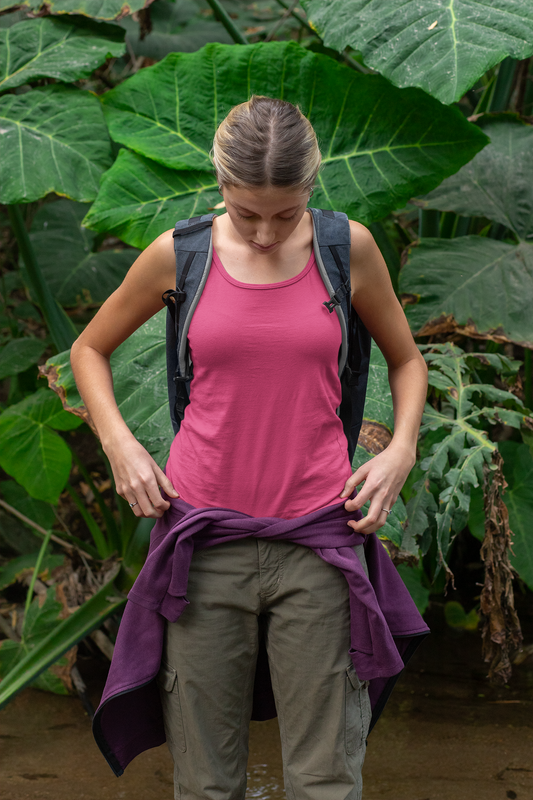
387	510
134	504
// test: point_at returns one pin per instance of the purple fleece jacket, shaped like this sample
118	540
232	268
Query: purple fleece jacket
386	626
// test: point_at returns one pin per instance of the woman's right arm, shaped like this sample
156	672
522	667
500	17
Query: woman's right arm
137	476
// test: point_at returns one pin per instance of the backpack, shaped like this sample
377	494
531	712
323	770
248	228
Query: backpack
331	242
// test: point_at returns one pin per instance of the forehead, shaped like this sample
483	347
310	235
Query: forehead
261	199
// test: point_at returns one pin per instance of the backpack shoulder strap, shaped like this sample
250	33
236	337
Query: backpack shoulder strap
193	248
331	241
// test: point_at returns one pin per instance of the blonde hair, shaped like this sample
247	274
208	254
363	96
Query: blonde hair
266	142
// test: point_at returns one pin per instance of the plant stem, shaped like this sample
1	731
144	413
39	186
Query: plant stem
528	378
501	92
461	227
447	224
61	328
484	100
428	223
29	596
277	25
102	546
39	530
527	99
223	17
355	64
303	22
111	526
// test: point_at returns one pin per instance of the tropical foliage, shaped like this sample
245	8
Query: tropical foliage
107	116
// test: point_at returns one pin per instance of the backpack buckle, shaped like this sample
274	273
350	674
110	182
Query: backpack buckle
336	298
330	304
173	298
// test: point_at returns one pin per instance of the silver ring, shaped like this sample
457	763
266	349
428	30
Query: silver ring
133	504
388	510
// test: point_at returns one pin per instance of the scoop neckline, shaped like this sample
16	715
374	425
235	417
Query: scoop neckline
278	285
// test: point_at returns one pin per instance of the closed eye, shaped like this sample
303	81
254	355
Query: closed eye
283	219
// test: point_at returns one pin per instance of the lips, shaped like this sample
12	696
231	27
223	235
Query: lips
264	249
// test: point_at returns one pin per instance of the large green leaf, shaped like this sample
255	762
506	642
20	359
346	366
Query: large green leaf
54	139
139	379
30	451
20	354
474	284
518	497
443	47
139	199
41	513
498	182
70	267
97	9
55	48
376	155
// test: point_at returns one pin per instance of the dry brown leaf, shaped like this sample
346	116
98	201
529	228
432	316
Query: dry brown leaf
501	633
374	437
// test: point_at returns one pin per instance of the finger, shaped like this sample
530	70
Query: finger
134	505
146	490
363	496
373	521
158	502
148	509
165	483
354	480
144	506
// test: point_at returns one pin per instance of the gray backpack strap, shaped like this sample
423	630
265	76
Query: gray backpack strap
193	248
331	241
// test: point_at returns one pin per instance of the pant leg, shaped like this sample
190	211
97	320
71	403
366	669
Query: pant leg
206	679
323	709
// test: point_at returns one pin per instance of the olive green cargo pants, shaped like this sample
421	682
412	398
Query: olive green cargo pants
208	668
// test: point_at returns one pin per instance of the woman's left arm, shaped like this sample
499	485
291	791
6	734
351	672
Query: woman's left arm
375	302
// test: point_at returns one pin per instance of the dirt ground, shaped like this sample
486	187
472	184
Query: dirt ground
445	735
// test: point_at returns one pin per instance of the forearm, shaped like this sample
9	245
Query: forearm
408	384
95	385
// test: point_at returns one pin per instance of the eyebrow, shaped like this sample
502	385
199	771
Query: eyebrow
247	210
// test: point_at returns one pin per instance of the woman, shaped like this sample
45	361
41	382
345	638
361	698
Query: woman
261	436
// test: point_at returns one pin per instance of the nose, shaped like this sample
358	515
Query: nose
265	234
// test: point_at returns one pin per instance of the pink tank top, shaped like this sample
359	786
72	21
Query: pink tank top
261	434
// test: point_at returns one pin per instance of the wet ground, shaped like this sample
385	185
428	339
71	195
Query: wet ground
445	735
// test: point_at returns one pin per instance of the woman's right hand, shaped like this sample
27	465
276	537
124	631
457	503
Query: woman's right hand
138	478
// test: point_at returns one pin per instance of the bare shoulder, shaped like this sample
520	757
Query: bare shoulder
360	233
366	262
363	245
156	262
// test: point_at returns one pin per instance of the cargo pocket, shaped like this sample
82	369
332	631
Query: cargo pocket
167	680
358	712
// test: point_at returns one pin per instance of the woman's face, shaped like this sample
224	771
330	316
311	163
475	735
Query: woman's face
265	217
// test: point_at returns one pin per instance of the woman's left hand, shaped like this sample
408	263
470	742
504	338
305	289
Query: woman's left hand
383	476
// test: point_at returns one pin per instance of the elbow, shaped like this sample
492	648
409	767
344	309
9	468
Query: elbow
75	353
